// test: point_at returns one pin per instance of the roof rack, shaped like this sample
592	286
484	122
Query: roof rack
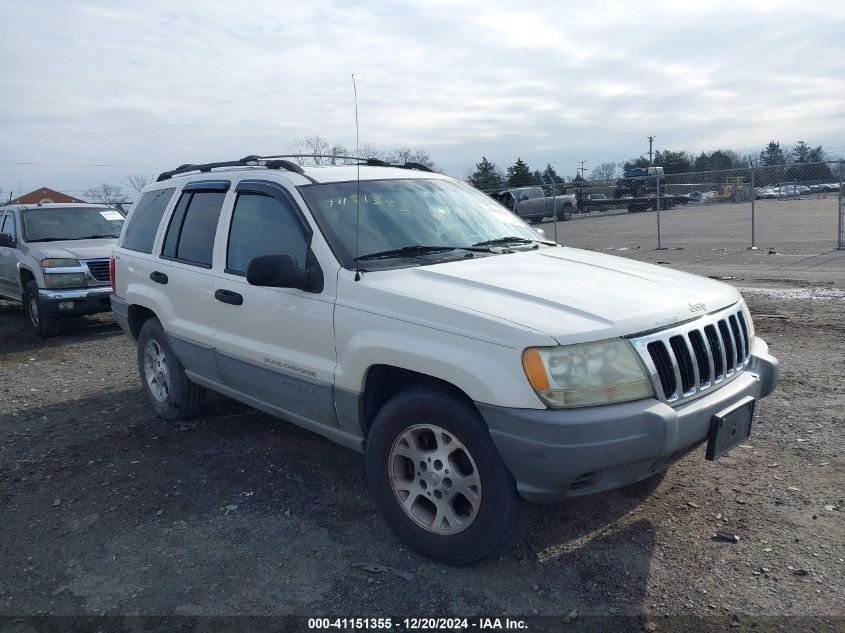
276	161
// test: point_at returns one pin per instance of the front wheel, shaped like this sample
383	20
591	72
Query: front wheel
42	324
437	478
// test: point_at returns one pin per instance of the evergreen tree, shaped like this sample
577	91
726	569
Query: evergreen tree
673	162
816	155
719	159
551	176
519	175
801	152
486	175
641	161
800	170
772	155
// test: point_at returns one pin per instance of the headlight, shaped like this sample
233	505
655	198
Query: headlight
746	313
65	280
587	374
59	263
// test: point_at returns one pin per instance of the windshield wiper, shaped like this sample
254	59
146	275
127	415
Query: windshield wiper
510	239
407	251
96	236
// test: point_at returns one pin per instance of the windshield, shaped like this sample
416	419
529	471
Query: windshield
71	223
396	214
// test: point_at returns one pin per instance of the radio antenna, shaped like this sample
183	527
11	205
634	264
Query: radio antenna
554	204
358	192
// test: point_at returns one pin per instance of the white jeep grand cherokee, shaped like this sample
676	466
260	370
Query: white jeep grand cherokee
405	315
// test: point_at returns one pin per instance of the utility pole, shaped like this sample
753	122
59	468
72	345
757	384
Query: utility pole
650	153
581	168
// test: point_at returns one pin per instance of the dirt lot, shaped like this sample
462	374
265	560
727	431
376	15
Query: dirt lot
795	226
108	509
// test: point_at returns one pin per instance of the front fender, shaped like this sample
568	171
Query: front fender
485	371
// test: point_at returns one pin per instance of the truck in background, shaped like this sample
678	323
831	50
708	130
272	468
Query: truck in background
532	204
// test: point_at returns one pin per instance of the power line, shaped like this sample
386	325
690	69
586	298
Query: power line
581	168
37	164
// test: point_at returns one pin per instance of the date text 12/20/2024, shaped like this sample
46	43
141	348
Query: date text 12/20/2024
417	624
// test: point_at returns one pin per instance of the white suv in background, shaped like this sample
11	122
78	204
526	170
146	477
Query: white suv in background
55	259
406	315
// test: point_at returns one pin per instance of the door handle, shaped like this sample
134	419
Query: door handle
159	278
227	296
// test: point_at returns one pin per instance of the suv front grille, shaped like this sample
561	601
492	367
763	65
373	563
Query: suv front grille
99	269
687	360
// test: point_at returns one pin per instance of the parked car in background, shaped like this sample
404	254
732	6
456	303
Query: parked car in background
54	258
532	204
783	191
405	315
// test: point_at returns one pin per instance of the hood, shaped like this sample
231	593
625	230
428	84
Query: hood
570	294
75	249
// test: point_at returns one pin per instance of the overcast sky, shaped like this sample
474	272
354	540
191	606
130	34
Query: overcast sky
147	86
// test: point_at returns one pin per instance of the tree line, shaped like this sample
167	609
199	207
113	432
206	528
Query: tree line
487	175
315	150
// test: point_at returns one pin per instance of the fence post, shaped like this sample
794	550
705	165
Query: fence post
753	200
840	242
657	210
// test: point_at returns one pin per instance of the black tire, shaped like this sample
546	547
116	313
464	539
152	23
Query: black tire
564	213
183	398
43	326
492	527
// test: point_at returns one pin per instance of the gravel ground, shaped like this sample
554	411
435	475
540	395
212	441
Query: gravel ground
796	226
108	509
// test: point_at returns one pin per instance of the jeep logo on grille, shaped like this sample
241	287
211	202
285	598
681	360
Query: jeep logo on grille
697	307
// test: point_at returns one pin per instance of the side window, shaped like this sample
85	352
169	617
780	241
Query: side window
263	225
141	231
9	225
190	236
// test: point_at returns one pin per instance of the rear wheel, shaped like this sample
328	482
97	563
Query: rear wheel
42	324
169	391
437	478
565	213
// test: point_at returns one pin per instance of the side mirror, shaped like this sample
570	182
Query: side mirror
282	271
541	232
7	240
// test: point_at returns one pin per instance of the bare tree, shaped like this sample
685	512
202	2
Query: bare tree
319	151
105	194
314	148
402	155
138	181
605	171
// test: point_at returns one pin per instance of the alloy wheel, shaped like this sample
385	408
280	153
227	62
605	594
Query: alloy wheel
156	371
435	479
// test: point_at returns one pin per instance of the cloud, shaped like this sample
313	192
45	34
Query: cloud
149	85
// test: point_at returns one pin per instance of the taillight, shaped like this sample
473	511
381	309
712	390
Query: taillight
112	275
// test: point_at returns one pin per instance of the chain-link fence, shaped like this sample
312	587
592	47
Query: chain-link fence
785	208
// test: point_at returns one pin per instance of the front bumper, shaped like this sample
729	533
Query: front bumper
557	453
74	301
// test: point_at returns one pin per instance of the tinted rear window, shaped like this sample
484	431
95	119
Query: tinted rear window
190	236
143	225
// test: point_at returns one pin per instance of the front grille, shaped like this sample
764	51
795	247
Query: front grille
99	269
686	360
